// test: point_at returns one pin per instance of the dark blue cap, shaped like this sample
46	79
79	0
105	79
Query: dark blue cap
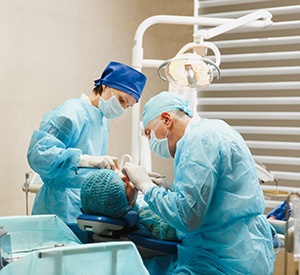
124	78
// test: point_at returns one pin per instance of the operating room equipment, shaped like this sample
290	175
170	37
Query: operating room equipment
32	184
25	234
25	189
244	92
264	175
43	244
84	167
247	85
111	229
100	258
192	69
259	90
124	158
160	176
294	198
108	213
292	228
3	234
221	25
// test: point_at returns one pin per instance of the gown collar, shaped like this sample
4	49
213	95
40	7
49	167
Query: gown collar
193	120
86	98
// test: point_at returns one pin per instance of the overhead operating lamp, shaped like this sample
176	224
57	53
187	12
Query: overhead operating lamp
192	69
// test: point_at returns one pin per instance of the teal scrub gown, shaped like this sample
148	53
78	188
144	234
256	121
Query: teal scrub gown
68	131
216	206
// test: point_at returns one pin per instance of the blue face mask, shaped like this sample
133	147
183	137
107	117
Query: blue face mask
111	108
159	147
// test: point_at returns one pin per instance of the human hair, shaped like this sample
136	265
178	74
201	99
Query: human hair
98	90
179	113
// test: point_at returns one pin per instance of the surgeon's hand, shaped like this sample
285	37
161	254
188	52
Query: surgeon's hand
138	176
159	180
101	162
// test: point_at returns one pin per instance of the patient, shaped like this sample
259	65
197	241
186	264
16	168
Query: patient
110	194
279	212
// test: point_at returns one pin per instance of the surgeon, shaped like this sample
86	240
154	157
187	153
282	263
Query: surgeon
216	204
75	134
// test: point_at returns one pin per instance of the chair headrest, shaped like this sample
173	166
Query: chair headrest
131	218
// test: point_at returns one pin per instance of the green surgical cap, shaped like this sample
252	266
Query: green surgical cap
103	193
164	102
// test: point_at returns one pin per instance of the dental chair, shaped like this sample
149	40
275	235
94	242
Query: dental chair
110	229
126	229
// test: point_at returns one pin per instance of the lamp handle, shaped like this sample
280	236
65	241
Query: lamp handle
160	67
206	60
202	45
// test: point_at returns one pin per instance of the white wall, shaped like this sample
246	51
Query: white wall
52	50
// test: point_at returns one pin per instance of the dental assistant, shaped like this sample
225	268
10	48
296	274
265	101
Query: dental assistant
215	203
75	134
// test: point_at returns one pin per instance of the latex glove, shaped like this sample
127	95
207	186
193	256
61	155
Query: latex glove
101	162
159	180
138	176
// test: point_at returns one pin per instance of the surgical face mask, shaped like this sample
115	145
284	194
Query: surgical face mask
159	147
111	108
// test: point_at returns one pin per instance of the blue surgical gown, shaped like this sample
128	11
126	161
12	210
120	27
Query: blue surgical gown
216	206
73	128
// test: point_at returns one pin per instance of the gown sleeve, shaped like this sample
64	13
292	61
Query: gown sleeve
49	153
195	180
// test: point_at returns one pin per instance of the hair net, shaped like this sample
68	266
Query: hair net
103	193
164	102
124	78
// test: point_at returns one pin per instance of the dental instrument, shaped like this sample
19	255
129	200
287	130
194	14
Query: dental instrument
160	177
84	167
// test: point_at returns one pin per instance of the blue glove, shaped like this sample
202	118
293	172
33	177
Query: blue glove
279	212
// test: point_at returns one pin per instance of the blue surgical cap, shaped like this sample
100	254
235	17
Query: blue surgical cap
164	102
103	193
124	78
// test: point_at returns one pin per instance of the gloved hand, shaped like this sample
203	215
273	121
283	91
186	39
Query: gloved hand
101	162
159	180
138	176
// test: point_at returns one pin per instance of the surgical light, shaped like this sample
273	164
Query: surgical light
192	69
